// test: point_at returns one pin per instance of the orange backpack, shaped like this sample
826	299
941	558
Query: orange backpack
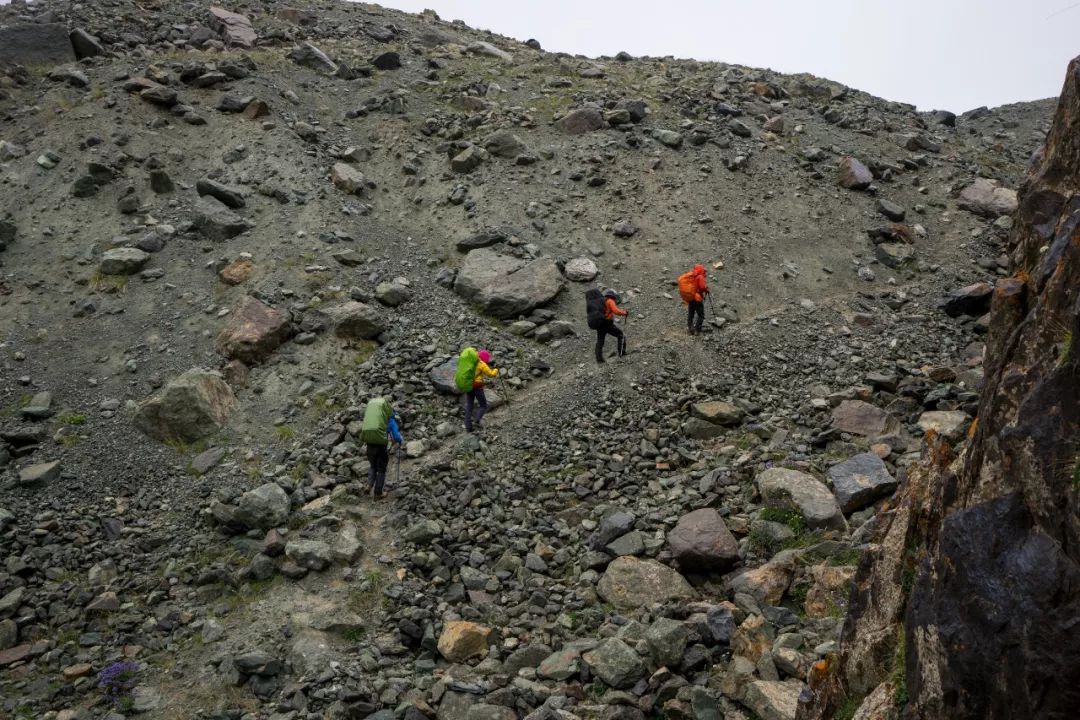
688	287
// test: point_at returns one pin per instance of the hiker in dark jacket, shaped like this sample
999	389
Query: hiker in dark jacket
378	429
608	327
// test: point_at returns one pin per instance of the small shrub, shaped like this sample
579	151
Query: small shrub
117	681
284	433
108	283
72	419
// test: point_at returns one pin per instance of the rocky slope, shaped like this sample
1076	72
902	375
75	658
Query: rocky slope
224	229
965	608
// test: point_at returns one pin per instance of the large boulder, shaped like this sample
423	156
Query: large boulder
504	286
310	56
793	490
265	507
348	179
235	29
461	640
987	198
254	331
632	583
700	541
85	45
356	321
189	407
482	267
35	44
860	480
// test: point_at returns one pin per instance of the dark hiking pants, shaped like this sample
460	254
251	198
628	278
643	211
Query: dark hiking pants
697	308
474	397
378	459
608	328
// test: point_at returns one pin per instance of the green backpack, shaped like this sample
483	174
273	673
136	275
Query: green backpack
466	369
376	418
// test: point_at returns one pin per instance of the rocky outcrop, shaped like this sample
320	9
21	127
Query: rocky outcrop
968	606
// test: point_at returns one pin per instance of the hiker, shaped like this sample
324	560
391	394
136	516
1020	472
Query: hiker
601	311
472	369
379	427
693	289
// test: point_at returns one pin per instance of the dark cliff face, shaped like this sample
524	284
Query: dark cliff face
970	605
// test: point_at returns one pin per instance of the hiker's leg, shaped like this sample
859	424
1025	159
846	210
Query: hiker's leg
481	401
469	397
372	457
619	337
382	461
600	333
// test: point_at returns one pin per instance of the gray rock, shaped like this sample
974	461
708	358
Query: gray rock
35	44
667	642
701	542
950	424
392	294
773	700
853	175
632	583
310	56
669	137
11	602
859	481
580	121
39	407
581	269
794	490
265	507
505	144
529	656
310	554
632	543
229	196
423	532
204	461
505	287
891	210
615	663
190	407
216	221
894	255
40	473
612	525
85	45
123	261
442	377
467	160
356	321
988	198
718	412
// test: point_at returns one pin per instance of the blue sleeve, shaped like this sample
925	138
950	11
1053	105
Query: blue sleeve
392	428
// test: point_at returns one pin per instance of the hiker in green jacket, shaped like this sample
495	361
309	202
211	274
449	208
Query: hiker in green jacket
378	429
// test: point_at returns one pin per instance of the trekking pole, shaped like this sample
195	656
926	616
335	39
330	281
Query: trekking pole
397	479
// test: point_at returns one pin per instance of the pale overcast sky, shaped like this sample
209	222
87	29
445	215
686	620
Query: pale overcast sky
937	54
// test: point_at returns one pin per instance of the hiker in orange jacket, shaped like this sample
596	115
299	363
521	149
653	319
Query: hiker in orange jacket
693	288
611	311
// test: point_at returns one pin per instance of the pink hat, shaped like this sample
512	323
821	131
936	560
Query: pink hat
485	356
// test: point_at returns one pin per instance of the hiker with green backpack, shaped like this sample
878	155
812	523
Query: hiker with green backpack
471	370
378	429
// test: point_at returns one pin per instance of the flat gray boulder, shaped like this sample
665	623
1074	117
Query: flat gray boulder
505	286
265	507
